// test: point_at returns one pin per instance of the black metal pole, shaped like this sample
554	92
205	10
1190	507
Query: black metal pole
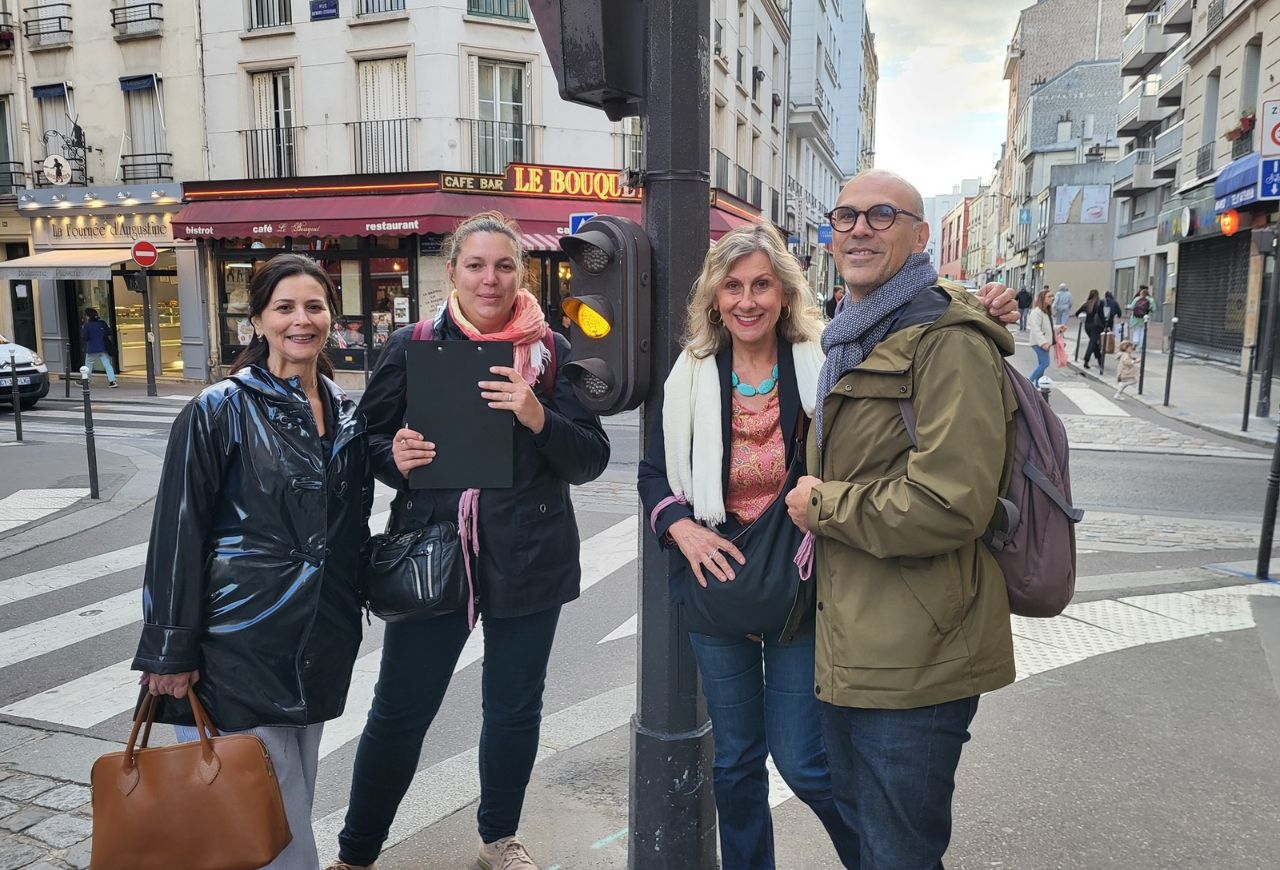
148	336
1248	387
1168	371
672	811
90	446
1269	513
66	369
1142	361
1266	362
14	396
1079	330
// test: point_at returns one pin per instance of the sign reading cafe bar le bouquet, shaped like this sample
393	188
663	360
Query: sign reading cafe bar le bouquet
524	179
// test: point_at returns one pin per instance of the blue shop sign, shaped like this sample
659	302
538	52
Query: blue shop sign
1237	185
322	9
824	234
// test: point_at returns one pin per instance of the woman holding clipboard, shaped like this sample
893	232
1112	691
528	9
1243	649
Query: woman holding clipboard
528	563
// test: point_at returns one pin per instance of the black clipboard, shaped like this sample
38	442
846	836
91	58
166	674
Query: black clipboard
475	446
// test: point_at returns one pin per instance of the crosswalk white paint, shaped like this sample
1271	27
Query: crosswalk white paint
1090	402
627	629
153	419
69	428
28	505
71	573
63	630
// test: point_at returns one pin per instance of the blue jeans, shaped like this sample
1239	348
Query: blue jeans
894	773
1042	357
761	702
91	358
417	663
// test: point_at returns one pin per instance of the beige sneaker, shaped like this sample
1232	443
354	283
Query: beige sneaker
342	865
505	854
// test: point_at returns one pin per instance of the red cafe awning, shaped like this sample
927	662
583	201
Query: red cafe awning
542	221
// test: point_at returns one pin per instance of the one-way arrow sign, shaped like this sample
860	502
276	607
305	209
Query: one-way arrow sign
1269	179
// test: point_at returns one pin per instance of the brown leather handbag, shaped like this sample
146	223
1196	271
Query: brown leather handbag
213	804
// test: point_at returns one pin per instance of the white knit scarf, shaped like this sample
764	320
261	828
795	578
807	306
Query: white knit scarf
691	426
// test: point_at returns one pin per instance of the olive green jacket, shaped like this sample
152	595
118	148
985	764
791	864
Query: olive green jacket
912	608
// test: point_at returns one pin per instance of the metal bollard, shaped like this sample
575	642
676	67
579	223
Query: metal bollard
1142	362
1269	513
66	369
1079	330
89	446
1248	387
14	397
1168	372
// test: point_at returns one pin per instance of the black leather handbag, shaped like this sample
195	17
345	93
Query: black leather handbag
416	574
760	598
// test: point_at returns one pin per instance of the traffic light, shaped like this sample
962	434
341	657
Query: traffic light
596	49
609	308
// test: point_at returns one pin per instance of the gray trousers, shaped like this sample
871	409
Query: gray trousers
295	755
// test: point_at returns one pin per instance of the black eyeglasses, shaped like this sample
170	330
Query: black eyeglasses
879	217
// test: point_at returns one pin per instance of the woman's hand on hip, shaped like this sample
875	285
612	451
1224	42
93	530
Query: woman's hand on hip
515	395
705	550
410	450
176	685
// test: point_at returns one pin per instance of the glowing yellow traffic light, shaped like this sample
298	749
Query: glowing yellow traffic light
594	324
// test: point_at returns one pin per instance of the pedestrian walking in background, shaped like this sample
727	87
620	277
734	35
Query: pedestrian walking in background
1024	307
1062	303
99	344
1094	313
833	304
528	564
1126	368
1141	310
913	623
1115	316
251	596
747	325
1040	325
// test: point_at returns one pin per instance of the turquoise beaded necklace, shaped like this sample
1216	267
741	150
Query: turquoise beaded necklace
765	388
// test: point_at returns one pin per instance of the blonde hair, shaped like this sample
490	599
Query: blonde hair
801	320
488	222
1125	346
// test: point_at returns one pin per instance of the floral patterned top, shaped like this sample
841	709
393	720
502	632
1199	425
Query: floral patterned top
757	459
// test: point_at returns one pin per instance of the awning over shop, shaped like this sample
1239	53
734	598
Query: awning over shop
76	264
542	220
1238	183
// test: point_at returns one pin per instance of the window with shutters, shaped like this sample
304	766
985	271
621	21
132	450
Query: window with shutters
500	132
270	147
12	176
382	133
59	134
144	151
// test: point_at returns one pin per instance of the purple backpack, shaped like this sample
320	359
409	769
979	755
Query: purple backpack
1033	536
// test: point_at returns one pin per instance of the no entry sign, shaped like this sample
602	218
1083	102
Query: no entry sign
144	253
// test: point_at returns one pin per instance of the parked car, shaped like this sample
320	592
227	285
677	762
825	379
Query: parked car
32	373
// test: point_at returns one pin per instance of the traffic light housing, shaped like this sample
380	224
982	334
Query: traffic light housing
609	310
596	49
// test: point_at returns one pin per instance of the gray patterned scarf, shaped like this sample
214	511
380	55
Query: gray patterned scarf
860	325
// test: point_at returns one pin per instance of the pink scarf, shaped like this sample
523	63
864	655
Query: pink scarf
525	330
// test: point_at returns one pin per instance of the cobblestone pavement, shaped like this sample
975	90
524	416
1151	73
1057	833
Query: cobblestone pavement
1139	533
1138	435
44	823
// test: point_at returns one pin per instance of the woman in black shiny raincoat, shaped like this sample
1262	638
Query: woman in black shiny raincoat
250	593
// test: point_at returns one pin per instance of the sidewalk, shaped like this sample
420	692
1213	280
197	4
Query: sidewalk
1203	394
132	389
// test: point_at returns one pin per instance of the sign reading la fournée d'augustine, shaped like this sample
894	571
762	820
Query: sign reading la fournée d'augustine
94	231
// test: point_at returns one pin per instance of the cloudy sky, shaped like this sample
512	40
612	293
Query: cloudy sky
942	98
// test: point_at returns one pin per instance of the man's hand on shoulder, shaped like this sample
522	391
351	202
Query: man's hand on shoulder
798	501
1001	302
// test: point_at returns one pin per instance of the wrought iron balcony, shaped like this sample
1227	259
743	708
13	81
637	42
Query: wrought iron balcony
757	192
722	174
743	190
1242	146
1204	160
47	24
269	13
137	19
775	207
12	178
271	152
632	150
381	146
514	9
375	7
1217	13
6	31
146	166
495	144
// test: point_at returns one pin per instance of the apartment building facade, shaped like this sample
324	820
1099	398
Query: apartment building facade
953	246
1230	68
100	121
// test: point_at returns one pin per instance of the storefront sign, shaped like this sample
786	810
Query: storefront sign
567	182
106	231
457	182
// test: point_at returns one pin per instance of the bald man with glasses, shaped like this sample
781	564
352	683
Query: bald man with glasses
912	614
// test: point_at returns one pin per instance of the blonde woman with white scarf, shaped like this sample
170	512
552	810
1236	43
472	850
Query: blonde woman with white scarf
747	377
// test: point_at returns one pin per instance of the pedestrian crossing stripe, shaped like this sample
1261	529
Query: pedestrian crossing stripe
28	505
